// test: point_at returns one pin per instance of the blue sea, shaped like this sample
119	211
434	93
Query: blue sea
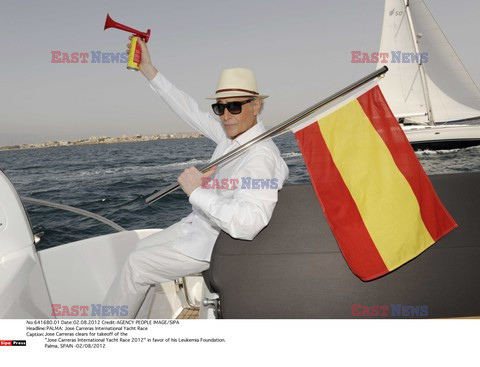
114	180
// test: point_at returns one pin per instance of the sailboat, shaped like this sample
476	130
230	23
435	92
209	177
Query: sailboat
427	87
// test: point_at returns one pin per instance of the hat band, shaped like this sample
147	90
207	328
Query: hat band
237	90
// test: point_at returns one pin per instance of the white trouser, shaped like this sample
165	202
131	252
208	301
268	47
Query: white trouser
155	260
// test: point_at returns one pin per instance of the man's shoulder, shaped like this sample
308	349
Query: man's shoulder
264	153
265	147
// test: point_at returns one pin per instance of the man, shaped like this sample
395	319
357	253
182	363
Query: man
239	205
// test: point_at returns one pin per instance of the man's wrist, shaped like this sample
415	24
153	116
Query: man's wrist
149	71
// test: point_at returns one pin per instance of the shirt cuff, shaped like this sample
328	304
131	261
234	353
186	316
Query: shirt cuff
158	82
202	199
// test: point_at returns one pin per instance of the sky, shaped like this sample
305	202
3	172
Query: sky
300	51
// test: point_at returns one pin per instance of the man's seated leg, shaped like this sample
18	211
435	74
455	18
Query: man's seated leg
151	264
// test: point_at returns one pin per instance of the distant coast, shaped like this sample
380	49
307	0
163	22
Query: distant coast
104	140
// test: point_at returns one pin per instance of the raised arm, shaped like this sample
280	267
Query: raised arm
179	102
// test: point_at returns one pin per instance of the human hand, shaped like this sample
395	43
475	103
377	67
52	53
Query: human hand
146	66
191	178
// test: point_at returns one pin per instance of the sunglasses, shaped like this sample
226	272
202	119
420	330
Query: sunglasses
234	107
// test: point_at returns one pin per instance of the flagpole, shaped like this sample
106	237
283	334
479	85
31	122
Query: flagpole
274	131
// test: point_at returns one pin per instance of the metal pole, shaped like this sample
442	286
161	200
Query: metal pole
273	131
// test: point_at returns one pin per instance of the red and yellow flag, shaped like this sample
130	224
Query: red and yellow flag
378	200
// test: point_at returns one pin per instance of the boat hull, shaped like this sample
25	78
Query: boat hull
443	136
80	274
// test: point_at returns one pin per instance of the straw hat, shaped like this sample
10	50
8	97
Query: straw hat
237	82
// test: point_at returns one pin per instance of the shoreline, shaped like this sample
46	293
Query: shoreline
103	140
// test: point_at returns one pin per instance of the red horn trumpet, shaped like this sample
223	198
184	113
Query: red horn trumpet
135	55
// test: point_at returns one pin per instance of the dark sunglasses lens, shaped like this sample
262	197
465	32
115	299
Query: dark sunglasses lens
234	107
218	109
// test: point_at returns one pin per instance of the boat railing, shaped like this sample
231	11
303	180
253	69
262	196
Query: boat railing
72	209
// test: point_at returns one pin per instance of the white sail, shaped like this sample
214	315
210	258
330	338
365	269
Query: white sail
402	85
447	87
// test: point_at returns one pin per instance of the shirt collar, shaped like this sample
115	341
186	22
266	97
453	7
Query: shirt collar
251	133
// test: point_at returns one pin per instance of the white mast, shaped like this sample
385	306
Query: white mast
421	68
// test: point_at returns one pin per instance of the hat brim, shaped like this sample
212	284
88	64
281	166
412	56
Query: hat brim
236	94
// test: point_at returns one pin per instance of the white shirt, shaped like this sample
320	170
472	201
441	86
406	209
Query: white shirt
242	208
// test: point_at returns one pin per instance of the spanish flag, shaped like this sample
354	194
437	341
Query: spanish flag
379	202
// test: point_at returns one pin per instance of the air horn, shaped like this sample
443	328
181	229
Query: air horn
135	55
